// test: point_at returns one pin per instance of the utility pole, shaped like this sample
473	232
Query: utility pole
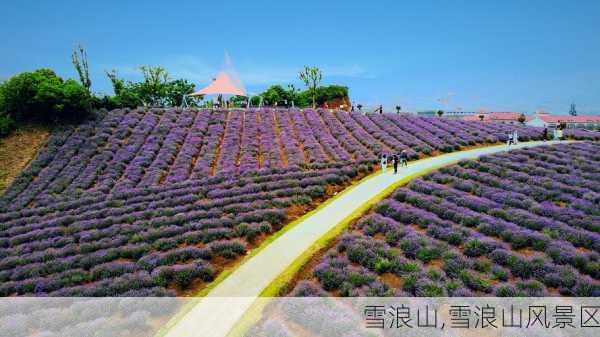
572	111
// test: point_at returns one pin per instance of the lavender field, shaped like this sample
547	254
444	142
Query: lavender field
129	149
158	202
150	241
524	223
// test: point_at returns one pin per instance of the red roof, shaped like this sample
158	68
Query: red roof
569	119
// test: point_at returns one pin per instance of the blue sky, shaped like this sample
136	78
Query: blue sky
497	55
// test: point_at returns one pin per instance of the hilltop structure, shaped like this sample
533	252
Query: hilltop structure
544	119
498	117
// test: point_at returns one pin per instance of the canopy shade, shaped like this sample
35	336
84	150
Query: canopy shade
221	85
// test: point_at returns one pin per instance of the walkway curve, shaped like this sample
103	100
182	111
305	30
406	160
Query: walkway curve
217	313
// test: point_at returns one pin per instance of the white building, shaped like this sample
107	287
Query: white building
572	122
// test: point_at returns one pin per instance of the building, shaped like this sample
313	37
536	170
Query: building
498	117
573	122
447	114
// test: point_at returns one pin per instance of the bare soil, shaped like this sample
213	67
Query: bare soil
18	149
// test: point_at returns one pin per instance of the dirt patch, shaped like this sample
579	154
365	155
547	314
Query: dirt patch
392	280
18	149
528	252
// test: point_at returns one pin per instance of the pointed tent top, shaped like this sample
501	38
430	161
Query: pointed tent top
221	85
227	81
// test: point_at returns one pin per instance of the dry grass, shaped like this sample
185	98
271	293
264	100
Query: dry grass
18	149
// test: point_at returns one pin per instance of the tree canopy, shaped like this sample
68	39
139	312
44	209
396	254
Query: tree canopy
44	96
156	89
278	95
312	77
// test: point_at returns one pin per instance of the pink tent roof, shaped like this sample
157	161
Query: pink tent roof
221	85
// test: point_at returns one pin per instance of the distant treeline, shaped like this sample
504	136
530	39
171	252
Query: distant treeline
41	96
277	95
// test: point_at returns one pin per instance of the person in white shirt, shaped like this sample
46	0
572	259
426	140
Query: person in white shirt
383	162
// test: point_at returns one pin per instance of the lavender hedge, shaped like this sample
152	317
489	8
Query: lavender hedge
525	223
142	148
156	239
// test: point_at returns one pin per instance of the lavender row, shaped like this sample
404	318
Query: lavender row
180	170
475	229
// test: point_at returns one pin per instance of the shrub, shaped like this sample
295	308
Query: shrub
183	276
474	248
474	282
506	291
7	125
382	265
531	288
499	273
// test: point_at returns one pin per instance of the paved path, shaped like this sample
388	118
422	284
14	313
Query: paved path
217	313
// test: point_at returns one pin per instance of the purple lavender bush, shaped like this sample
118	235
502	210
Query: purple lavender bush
523	223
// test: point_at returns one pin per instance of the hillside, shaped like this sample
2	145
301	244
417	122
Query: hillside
158	202
130	149
525	223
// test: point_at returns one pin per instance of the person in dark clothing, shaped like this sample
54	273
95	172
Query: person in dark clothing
545	134
403	158
395	162
380	109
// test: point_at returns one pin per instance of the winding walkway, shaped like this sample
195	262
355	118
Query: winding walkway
217	313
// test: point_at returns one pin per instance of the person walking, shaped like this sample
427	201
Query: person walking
403	158
383	162
545	134
510	141
395	162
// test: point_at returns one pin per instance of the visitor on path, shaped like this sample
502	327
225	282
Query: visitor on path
403	158
383	162
380	109
510	140
545	134
395	162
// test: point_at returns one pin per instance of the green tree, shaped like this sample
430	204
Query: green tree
330	93
175	90
126	93
522	118
255	100
7	125
312	77
153	90
440	113
239	101
42	95
156	89
80	62
292	94
274	95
